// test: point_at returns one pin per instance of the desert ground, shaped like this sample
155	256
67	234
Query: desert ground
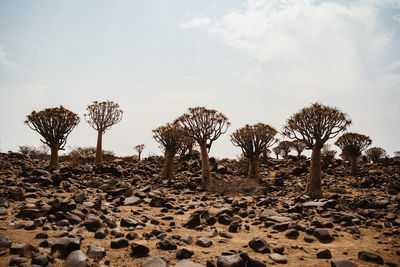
122	213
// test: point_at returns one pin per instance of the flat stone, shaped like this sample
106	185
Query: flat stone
278	258
324	254
187	263
120	242
370	257
96	252
339	262
204	242
154	261
76	259
260	245
323	235
279	219
132	201
184	254
230	261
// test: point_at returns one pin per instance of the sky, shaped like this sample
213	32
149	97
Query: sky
254	61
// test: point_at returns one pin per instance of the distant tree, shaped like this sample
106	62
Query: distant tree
139	149
315	125
285	148
298	146
277	151
353	144
397	153
266	154
101	116
40	153
375	153
254	140
54	125
327	154
204	126
188	146
170	139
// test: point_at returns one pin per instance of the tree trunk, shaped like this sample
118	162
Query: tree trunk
314	180
53	158
139	155
205	164
168	169
99	149
253	167
353	165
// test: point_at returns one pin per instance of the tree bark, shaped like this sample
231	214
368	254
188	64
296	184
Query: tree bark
168	169
313	186
205	164
353	165
99	149
53	158
253	167
139	155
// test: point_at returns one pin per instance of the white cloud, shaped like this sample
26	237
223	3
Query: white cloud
196	22
4	57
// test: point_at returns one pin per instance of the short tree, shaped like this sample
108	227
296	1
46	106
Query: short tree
375	153
285	148
397	153
254	140
204	126
54	125
101	116
352	145
277	151
139	149
315	125
298	146
170	139
188	146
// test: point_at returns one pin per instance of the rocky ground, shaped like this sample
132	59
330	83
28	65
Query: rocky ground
123	214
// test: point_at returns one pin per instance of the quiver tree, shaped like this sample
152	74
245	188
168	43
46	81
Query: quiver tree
204	126
352	145
170	139
285	147
139	150
277	151
54	125
101	116
375	153
298	146
188	145
315	125
254	140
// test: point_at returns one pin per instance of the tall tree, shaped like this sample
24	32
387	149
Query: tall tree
101	116
139	150
254	140
315	125
170	139
204	126
54	125
352	145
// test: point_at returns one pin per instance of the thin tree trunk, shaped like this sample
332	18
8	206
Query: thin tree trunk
253	167
139	155
314	180
53	158
205	164
168	169
354	165
99	149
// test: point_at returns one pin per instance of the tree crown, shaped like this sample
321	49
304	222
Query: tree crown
316	124
102	115
352	144
169	137
375	153
254	139
53	124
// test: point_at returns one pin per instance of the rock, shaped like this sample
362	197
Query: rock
120	242
278	258
158	202
18	261
132	201
338	262
193	221
28	251
139	250
131	235
230	261
309	239
187	239
370	257
92	224
323	235
96	252
65	246
278	219
5	242
292	234
186	263
204	242
76	259
259	244
154	261
128	222
184	254
166	244
41	260
101	233
224	219
234	227
324	254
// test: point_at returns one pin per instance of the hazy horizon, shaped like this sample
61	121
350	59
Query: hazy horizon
253	61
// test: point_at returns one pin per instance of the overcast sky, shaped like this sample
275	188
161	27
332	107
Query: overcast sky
254	61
